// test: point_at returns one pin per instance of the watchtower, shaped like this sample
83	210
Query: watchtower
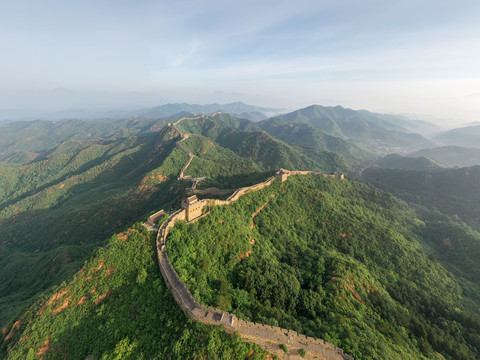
193	208
283	174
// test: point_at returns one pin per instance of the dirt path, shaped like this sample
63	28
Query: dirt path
258	211
269	337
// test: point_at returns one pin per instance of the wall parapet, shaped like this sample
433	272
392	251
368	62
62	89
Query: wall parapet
212	316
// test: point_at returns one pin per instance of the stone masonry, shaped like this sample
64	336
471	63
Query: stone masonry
192	211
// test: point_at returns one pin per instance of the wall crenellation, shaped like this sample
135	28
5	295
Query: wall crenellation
208	315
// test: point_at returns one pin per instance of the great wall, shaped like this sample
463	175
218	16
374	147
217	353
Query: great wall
269	337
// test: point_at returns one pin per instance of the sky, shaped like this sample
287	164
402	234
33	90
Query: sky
410	56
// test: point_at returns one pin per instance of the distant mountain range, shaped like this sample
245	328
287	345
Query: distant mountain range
235	108
241	109
379	133
337	259
451	155
468	136
418	163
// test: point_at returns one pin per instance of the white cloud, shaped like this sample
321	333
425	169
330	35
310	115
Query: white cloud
182	57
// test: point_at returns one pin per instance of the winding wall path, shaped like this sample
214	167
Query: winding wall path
194	181
267	336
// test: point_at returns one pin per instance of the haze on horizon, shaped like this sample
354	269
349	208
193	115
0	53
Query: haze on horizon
400	57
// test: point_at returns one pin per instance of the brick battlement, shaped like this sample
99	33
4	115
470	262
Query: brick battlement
208	315
259	333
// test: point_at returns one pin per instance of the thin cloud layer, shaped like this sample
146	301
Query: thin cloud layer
298	52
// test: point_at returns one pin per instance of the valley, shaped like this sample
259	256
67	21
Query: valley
319	270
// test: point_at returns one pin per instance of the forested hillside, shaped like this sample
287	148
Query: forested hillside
56	209
334	259
117	307
309	136
338	260
24	141
377	132
268	152
452	191
395	161
451	155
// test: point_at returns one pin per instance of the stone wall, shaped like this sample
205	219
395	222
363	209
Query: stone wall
151	223
249	330
212	191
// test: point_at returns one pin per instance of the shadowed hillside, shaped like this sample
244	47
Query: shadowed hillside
55	210
117	306
452	191
380	133
451	155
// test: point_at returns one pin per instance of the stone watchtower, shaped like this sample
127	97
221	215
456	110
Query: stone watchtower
193	208
282	174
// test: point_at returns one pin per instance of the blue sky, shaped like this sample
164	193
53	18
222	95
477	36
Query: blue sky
408	56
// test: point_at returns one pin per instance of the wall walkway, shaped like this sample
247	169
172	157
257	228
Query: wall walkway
251	331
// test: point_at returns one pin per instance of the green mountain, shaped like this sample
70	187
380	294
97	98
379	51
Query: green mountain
56	209
333	259
236	122
395	161
451	155
167	110
465	136
22	142
338	260
117	307
452	191
253	116
310	136
262	148
381	133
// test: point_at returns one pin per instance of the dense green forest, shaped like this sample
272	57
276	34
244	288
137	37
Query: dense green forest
55	209
268	152
451	191
339	260
334	259
117	307
451	155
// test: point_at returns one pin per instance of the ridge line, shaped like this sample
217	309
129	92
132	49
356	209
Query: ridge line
255	332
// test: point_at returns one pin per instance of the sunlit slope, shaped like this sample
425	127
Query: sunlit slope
268	152
335	259
117	306
55	210
378	132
